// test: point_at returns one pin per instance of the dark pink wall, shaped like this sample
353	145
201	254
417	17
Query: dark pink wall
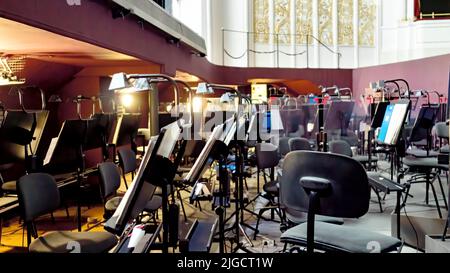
92	22
428	73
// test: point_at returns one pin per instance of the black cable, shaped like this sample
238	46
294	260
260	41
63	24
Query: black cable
414	229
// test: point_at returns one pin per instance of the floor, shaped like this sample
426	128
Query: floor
13	239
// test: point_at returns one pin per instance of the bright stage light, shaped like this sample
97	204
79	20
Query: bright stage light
197	104
127	100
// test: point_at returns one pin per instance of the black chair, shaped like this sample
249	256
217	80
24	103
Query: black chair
128	163
8	187
342	147
299	144
290	215
441	129
39	195
283	146
267	158
318	186
110	183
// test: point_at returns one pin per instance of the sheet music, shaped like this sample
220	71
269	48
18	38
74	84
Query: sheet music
116	132
51	150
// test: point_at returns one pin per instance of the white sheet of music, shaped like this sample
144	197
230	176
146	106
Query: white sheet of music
50	151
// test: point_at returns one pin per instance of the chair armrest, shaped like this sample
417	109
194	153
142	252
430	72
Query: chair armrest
315	184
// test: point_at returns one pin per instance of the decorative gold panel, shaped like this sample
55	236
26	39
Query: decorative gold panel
345	22
367	18
325	21
303	25
282	10
261	20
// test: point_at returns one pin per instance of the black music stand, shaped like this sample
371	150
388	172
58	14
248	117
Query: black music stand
423	125
214	149
20	136
66	154
156	169
377	115
105	123
125	132
338	117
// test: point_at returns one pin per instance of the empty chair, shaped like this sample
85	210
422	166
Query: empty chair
317	186
288	183
283	146
441	129
128	163
8	187
267	158
110	183
299	144
39	195
343	148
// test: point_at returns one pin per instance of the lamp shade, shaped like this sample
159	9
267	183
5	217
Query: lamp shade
203	88
123	83
119	81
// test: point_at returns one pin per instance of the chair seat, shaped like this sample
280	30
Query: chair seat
271	187
445	149
154	204
424	162
349	239
421	153
365	158
10	186
113	203
57	242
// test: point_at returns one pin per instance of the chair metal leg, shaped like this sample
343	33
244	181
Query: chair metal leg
442	191
436	200
379	199
125	181
182	205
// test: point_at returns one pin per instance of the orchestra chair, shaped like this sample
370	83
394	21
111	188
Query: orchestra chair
299	144
38	195
128	163
343	148
110	183
291	216
267	158
314	185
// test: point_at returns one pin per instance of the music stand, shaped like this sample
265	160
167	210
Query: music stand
392	126
66	153
378	113
338	116
423	125
105	123
156	169
125	131
21	134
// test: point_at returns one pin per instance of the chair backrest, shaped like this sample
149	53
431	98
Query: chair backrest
127	160
266	155
350	192
109	179
283	146
340	147
299	144
441	130
38	195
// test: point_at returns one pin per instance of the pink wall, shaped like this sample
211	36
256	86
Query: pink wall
430	74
